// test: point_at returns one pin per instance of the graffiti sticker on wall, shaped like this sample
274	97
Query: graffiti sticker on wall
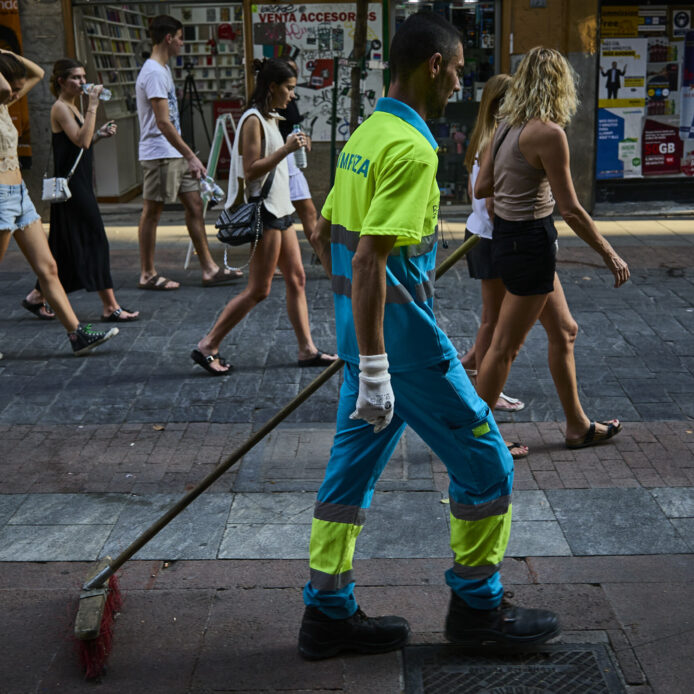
313	35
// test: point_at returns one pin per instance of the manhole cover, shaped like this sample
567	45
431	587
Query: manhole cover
559	669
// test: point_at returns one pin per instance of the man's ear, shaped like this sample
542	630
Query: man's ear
435	64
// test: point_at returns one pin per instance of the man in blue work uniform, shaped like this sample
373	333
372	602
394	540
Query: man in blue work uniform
376	237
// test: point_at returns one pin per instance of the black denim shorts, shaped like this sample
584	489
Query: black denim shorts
272	222
525	255
479	260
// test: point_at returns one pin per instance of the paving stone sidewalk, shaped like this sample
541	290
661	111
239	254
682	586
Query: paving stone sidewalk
94	449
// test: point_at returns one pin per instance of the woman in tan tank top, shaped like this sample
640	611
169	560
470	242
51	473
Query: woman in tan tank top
18	216
530	156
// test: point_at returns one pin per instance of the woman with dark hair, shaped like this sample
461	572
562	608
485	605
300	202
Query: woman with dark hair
18	216
259	149
77	236
526	169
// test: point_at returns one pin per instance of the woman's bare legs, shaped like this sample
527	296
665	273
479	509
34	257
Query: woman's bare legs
493	292
260	271
33	243
561	331
306	211
517	316
295	280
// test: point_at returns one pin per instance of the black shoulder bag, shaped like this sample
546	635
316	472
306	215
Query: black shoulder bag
243	223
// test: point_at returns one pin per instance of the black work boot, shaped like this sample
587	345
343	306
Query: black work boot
323	637
505	627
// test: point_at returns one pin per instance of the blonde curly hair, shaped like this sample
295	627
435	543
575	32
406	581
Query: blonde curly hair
543	87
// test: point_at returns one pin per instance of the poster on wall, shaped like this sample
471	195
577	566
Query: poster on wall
619	143
622	82
687	98
662	148
313	35
11	40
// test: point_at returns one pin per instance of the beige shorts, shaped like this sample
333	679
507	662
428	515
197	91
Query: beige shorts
164	179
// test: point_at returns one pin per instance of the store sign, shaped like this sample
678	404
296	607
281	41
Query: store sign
313	35
622	73
662	149
619	143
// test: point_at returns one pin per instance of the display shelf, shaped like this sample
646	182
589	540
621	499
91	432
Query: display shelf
221	58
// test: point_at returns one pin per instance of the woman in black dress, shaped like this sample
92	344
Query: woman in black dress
77	237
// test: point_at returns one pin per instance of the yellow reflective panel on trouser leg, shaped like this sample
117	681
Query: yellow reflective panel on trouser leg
332	546
480	542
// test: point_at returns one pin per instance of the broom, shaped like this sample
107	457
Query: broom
100	598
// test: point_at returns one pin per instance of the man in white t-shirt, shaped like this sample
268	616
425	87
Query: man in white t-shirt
170	168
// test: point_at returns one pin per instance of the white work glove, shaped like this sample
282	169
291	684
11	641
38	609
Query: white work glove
375	401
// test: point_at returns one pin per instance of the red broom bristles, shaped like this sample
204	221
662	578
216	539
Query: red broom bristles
94	653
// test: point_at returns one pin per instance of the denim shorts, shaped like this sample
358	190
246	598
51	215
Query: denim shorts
272	222
16	209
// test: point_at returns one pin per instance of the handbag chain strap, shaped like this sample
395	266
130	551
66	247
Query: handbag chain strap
254	243
258	224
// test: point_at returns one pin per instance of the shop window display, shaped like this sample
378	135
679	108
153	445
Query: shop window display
476	22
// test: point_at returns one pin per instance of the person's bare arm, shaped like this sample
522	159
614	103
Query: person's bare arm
63	118
255	164
160	107
5	90
369	292
320	242
484	185
549	142
35	74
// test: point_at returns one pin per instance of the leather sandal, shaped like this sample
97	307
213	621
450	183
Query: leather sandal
593	437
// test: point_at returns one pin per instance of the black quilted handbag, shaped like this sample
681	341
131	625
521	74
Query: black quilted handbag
243	223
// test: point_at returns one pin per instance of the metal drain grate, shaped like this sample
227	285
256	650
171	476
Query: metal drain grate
558	669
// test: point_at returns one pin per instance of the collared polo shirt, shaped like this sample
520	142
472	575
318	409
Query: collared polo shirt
385	184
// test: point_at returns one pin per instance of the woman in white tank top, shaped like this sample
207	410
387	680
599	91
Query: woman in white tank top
538	106
259	149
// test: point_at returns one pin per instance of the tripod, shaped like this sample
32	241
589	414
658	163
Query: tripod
191	100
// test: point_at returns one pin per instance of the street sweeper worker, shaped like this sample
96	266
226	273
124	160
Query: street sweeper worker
376	237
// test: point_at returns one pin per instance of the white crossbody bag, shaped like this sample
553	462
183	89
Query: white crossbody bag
56	189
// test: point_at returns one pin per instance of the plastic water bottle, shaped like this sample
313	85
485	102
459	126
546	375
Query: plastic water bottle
299	154
105	93
210	191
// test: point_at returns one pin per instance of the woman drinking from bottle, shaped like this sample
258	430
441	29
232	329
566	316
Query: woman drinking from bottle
19	218
77	236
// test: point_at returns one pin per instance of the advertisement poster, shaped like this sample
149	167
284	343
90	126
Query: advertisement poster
313	35
619	143
687	98
662	148
11	40
622	82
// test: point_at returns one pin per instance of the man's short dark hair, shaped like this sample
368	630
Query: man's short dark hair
161	26
420	36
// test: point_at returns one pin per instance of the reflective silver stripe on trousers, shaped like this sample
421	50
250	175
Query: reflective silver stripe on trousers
395	294
350	240
475	512
339	513
475	573
322	581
